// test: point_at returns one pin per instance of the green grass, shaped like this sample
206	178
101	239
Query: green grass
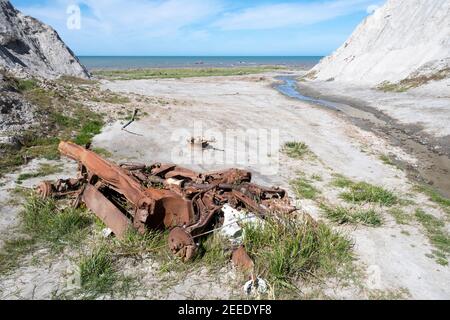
397	294
414	82
363	192
304	189
387	160
342	215
12	252
134	243
98	272
435	230
75	81
20	192
180	73
434	196
10	158
103	152
214	251
88	130
26	85
116	99
342	182
108	97
40	96
285	251
296	150
217	252
59	118
44	222
44	170
392	87
400	216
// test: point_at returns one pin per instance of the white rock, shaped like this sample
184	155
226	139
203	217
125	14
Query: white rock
29	45
402	38
259	286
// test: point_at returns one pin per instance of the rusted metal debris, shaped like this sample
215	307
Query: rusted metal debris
201	142
163	196
242	260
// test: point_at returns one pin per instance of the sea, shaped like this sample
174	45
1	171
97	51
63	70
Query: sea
118	63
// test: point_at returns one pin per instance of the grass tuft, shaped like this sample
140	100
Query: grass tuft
75	81
134	243
26	85
435	230
435	197
217	252
44	170
12	252
344	215
88	131
98	273
363	192
43	221
386	160
400	216
285	250
342	182
60	116
414	81
103	152
304	189
296	150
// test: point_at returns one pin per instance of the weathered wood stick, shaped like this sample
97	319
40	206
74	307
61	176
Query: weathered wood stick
132	119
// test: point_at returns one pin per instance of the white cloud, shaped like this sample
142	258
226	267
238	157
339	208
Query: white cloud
151	17
133	27
131	17
282	15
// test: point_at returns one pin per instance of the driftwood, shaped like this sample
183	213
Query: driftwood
133	118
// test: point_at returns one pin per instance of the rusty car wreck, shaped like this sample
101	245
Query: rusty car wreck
163	197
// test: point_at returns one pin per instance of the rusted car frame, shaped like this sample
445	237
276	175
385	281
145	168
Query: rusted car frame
163	196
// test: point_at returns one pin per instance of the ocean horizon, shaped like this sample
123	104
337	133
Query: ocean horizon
140	62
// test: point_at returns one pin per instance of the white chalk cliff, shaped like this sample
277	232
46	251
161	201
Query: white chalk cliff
30	46
402	39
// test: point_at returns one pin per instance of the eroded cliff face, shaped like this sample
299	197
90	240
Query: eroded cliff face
30	46
404	39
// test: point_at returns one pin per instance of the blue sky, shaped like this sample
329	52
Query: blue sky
203	27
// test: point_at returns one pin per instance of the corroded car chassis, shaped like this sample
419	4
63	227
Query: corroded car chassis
163	196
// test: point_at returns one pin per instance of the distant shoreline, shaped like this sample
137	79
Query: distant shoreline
95	63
